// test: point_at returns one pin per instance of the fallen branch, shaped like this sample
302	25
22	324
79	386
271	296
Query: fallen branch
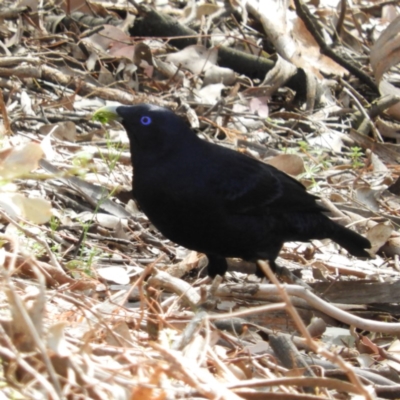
263	291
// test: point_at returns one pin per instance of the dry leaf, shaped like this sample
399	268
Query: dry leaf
120	335
108	221
110	39
259	106
65	130
291	38
328	140
291	164
216	74
118	275
195	58
211	93
35	210
378	236
368	196
391	247
56	339
281	72
199	11
385	53
20	161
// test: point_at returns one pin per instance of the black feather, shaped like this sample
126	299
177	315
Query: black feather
217	201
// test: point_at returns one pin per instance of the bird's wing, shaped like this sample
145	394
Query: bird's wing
251	186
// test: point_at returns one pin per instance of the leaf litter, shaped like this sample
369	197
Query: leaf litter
95	303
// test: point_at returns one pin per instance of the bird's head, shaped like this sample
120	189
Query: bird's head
150	128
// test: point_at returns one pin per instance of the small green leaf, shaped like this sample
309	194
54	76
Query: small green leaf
105	114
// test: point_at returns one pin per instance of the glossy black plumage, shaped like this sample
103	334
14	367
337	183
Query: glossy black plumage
215	200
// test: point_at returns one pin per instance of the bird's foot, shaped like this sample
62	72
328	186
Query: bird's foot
284	274
216	265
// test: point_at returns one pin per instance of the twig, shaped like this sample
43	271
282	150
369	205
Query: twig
19	359
182	368
335	358
4	114
339	24
363	128
328	383
313	301
24	314
304	14
35	237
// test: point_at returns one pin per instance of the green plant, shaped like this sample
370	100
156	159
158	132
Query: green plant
87	255
114	153
54	224
310	171
55	247
304	146
29	243
317	160
356	157
79	267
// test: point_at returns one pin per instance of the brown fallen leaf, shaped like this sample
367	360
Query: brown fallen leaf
19	161
291	164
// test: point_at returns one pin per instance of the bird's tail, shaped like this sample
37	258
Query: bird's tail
354	243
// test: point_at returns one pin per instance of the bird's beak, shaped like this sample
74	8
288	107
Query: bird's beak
106	114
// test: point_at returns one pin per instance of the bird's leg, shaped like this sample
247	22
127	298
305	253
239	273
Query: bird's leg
274	268
284	274
217	265
278	270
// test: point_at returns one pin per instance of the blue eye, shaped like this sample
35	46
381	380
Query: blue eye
145	120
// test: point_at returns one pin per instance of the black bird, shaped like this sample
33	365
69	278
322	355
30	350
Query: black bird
218	201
